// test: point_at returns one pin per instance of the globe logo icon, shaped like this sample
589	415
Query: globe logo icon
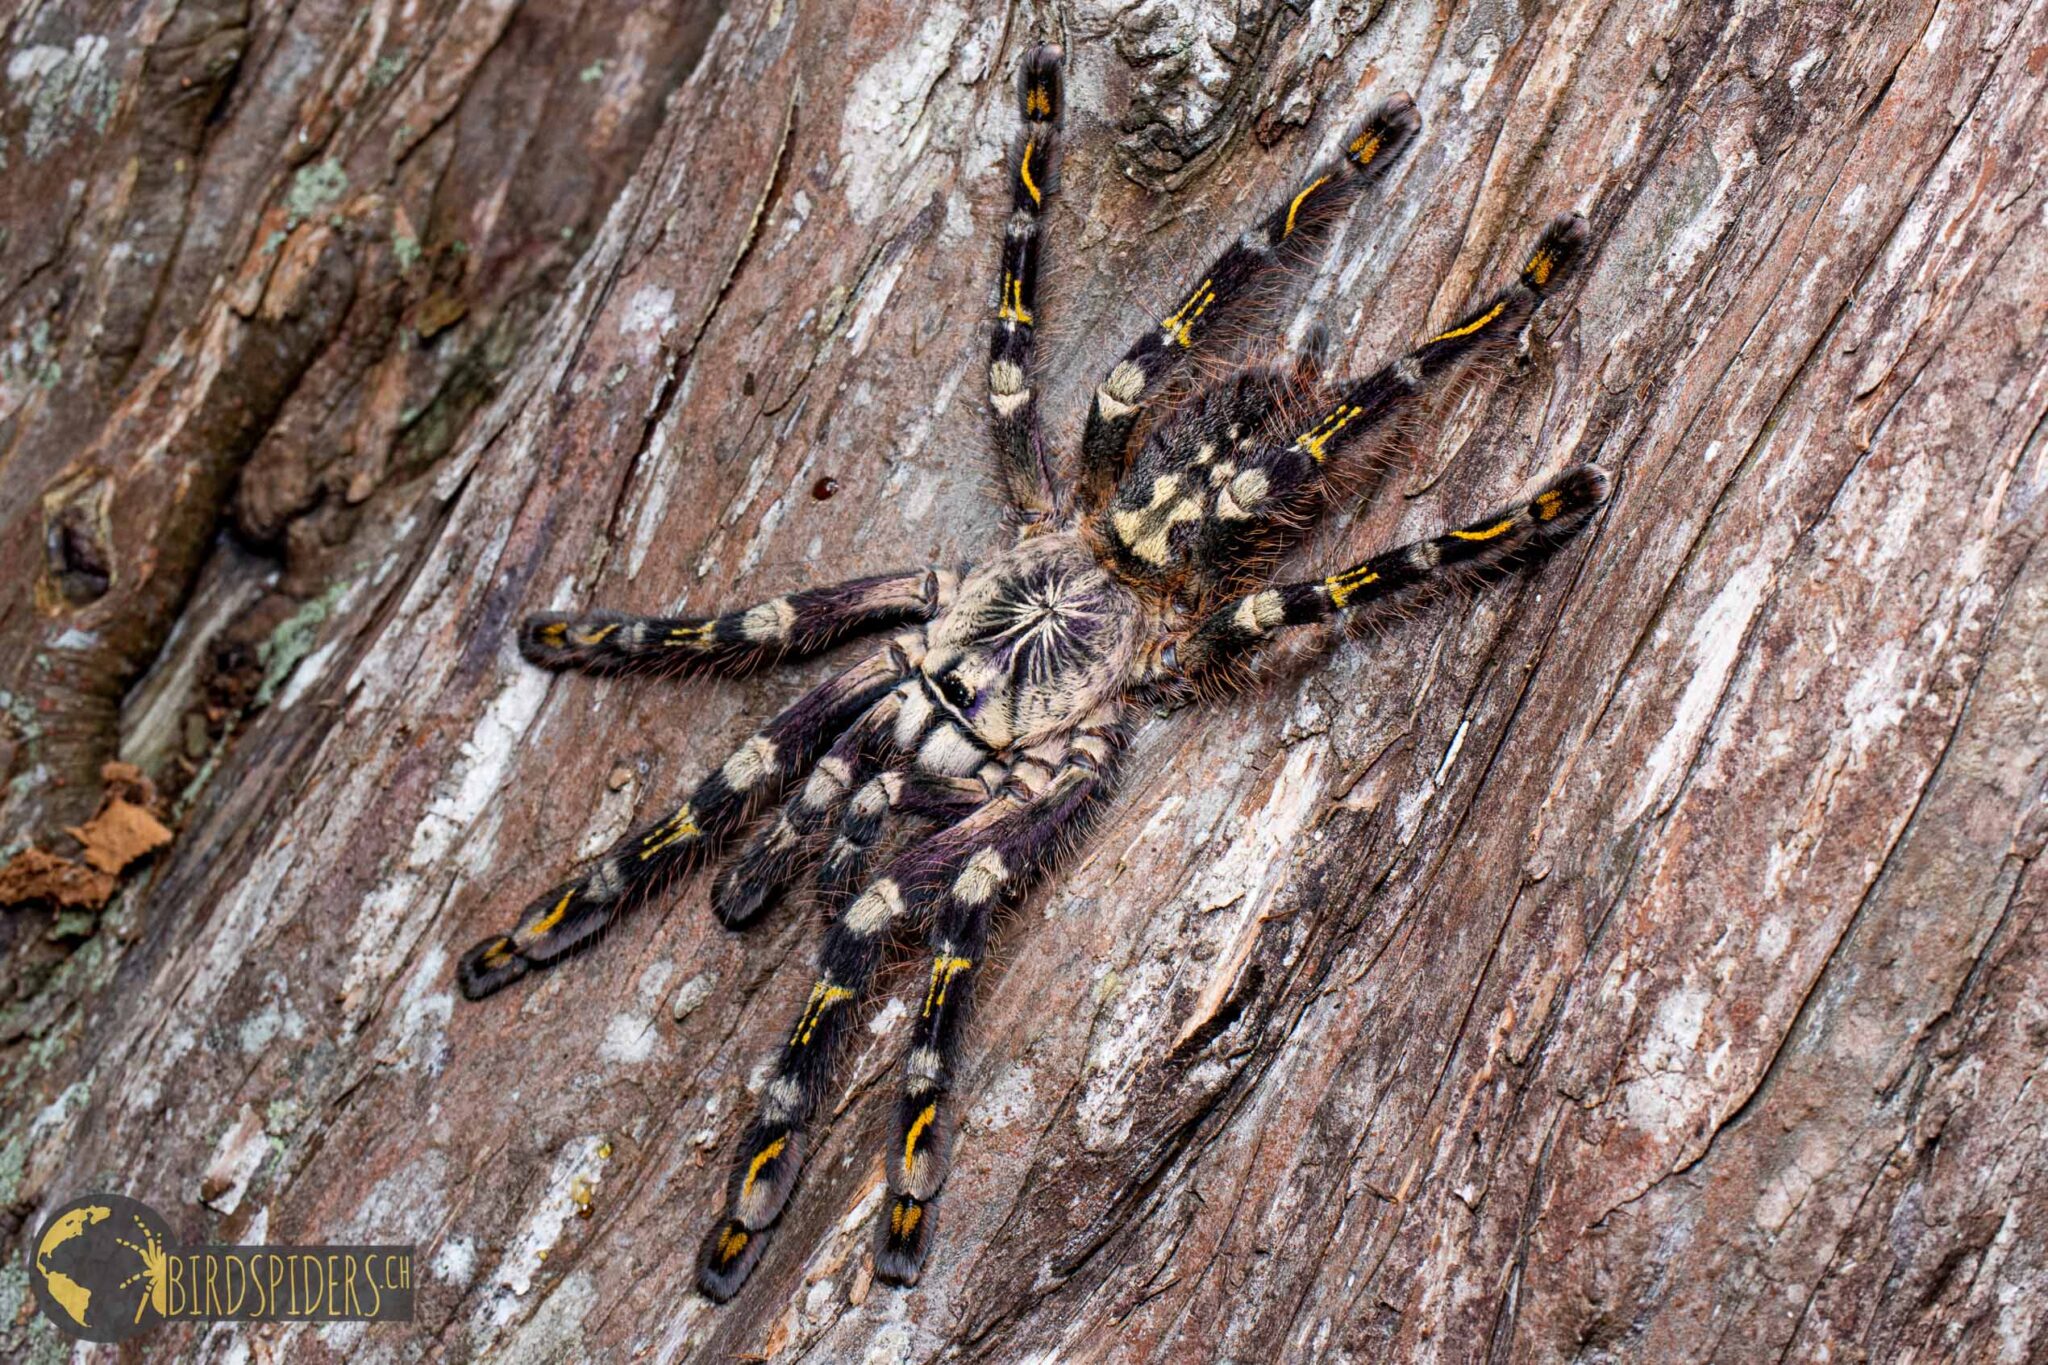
99	1267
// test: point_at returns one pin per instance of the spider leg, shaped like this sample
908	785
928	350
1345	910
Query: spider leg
1213	494
950	770
997	855
772	1147
896	794
1226	636
1034	809
848	785
1494	327
777	853
739	642
570	916
1287	236
1021	466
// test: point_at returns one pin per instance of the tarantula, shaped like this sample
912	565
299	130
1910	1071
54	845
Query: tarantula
993	722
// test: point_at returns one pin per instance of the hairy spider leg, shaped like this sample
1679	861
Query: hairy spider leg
1224	482
1549	518
1352	410
1021	465
777	853
572	915
849	788
1044	809
1288	236
771	1149
738	642
850	953
895	794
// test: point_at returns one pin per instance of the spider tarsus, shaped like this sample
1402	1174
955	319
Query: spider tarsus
1041	96
1557	252
560	641
902	1237
1582	488
489	967
739	898
1390	128
731	1250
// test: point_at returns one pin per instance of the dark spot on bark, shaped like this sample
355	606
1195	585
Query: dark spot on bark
824	488
1233	1009
79	559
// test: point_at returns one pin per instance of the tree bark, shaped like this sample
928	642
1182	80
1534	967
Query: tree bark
1640	959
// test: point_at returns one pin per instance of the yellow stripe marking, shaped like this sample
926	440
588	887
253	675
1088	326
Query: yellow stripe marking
1319	436
1295	207
498	954
917	1127
678	827
1548	505
1365	147
1540	265
1501	527
547	922
1024	171
903	1219
555	633
1013	309
598	636
944	969
824	995
1469	328
691	635
1038	101
761	1158
1180	327
1346	585
731	1243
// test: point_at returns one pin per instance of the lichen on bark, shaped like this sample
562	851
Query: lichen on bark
1639	960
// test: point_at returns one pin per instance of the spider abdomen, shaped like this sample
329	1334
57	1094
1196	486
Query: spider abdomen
1211	493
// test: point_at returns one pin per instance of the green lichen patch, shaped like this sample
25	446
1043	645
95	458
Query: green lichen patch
316	186
388	67
292	641
63	88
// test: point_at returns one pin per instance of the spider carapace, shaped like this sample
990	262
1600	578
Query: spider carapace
990	723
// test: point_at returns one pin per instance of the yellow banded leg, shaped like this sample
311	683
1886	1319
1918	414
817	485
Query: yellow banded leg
771	1150
1021	466
1493	327
1003	856
1293	232
572	916
738	642
1552	515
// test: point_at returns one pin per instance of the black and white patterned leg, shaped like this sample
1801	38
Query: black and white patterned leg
745	640
1290	235
571	916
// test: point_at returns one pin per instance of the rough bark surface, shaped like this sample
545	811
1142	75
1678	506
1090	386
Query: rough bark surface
1646	958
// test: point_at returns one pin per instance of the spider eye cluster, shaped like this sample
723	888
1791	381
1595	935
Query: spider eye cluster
957	693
